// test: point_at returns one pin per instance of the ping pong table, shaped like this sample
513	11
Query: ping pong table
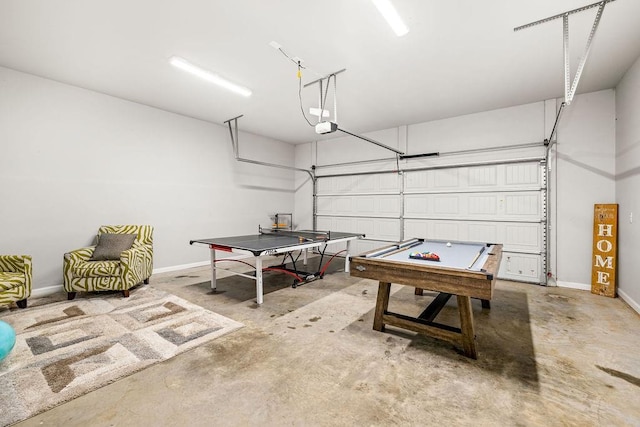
274	242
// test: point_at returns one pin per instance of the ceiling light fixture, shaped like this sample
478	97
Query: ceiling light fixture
391	15
187	66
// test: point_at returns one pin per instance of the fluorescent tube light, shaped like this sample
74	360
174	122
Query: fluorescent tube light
391	15
187	66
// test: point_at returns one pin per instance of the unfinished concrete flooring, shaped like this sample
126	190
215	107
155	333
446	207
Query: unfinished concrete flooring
309	357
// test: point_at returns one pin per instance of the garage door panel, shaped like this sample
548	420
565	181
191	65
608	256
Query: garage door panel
342	204
414	228
446	178
344	184
523	267
415	181
523	237
324	186
387	229
475	178
365	205
366	226
345	224
324	223
378	183
389	182
446	205
485	176
416	206
364	184
373	228
389	205
376	206
324	205
434	229
522	174
444	230
525	206
334	205
483	204
434	180
484	232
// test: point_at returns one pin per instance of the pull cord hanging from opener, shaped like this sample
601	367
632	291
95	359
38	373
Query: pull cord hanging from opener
322	99
299	75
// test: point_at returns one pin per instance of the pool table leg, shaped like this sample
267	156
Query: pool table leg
466	326
382	303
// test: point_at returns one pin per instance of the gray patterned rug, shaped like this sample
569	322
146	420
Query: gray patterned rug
66	349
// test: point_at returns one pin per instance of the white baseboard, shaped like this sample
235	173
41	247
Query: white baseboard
626	298
180	267
44	292
573	285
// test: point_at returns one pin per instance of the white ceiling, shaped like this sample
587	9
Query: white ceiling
459	57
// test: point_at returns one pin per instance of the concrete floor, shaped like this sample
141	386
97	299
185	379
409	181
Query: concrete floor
309	356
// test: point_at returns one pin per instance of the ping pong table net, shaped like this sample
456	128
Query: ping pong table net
301	235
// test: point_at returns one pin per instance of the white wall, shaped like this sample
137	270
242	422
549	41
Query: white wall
585	175
582	167
628	184
72	160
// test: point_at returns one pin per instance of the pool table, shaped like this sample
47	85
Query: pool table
464	269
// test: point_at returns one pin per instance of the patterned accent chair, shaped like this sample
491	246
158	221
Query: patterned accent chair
81	274
15	279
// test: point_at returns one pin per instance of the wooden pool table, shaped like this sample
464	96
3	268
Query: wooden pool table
464	269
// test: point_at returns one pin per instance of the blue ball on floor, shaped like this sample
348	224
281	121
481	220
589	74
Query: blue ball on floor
7	339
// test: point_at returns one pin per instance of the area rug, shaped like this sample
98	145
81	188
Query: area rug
66	349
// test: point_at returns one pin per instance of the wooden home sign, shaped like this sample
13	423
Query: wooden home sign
605	248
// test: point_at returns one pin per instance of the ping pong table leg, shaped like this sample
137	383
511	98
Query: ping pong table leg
304	256
347	268
213	268
259	280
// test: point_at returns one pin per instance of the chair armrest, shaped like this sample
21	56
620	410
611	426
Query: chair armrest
133	262
16	263
72	258
79	255
126	257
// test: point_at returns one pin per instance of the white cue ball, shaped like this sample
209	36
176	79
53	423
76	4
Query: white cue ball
449	244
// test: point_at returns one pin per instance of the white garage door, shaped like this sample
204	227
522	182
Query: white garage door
364	203
501	203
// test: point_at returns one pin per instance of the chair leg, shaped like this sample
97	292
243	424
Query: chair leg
125	293
22	303
71	295
146	281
